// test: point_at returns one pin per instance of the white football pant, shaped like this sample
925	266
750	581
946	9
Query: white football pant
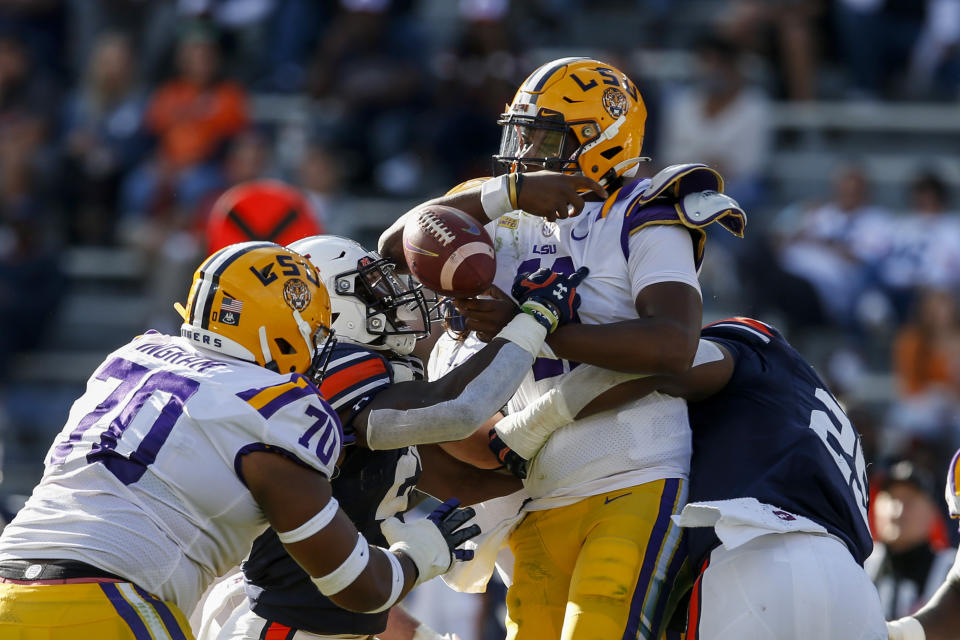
789	586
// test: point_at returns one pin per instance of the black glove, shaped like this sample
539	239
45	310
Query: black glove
449	519
510	459
548	296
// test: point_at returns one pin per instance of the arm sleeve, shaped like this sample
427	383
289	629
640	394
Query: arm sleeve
457	418
661	253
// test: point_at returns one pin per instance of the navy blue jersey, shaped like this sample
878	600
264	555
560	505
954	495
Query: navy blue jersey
371	486
777	434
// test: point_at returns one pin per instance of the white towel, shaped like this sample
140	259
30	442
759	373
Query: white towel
741	520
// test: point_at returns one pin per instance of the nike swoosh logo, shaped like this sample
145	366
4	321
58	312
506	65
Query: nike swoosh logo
622	495
574	235
471	226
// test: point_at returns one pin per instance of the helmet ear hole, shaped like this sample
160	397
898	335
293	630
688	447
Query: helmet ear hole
612	151
285	347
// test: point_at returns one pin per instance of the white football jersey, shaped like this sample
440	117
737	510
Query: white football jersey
626	248
144	479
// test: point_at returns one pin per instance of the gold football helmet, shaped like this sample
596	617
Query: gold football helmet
574	115
263	303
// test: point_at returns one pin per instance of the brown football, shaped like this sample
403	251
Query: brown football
448	251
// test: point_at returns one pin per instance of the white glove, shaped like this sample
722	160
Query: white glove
432	542
908	628
424	632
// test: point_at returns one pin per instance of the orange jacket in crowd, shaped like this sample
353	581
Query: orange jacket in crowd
192	121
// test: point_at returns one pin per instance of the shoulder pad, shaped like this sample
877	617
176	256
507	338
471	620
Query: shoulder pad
952	492
741	329
700	209
678	180
354	372
696	191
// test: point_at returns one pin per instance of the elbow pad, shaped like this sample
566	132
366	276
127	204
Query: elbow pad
457	418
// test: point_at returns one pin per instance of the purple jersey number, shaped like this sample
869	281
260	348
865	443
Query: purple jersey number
548	367
329	439
130	468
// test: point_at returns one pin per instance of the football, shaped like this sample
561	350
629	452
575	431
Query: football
448	251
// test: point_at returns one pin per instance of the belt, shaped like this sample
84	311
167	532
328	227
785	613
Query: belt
53	572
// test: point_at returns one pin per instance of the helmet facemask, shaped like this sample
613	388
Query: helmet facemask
397	312
545	141
324	340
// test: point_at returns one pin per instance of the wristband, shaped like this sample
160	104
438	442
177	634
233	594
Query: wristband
512	188
526	332
908	628
541	313
495	196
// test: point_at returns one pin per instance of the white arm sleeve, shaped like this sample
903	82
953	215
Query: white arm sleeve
661	253
457	418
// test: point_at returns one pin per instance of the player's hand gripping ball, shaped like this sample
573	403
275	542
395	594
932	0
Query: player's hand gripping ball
548	296
449	252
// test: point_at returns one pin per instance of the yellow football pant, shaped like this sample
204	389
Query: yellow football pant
105	611
599	569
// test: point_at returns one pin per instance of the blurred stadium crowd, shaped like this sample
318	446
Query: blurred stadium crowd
834	122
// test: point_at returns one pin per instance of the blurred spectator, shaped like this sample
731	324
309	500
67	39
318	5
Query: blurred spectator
319	177
784	31
923	252
243	23
369	65
476	77
103	138
27	102
926	361
877	38
927	350
248	158
31	282
904	565
835	245
292	33
720	121
935	67
193	116
41	25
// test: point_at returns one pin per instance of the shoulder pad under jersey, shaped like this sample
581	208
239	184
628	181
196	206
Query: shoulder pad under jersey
952	492
353	372
742	329
300	424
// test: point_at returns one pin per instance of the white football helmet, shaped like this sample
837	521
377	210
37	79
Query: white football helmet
370	305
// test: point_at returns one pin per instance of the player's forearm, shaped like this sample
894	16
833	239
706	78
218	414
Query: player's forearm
940	617
445	477
453	416
644	345
390	244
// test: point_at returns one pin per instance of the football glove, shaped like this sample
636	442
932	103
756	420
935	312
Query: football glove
509	458
548	296
432	541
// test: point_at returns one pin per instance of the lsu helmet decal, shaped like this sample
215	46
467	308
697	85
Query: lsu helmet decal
574	115
260	302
